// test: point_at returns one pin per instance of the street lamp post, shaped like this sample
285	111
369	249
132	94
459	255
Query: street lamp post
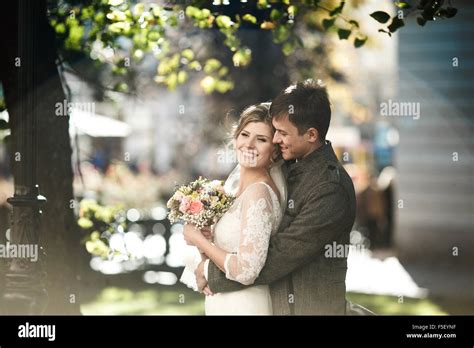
24	291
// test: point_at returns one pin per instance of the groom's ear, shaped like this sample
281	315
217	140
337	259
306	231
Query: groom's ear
312	135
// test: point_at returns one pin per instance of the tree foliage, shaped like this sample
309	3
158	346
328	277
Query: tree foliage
122	33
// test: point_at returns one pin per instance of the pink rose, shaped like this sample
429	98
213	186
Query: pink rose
195	207
184	206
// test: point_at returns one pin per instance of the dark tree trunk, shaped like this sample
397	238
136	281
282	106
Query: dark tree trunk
59	235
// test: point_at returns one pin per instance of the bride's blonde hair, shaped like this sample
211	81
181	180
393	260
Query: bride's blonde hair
253	113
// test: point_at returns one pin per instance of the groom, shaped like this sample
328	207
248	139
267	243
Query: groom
319	213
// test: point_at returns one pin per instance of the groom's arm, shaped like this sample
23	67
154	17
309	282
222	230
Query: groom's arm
327	214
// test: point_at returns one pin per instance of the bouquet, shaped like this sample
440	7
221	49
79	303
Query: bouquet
202	202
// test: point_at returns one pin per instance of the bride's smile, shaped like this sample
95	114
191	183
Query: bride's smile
254	145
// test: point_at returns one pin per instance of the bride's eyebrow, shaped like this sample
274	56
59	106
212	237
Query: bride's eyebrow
258	135
264	136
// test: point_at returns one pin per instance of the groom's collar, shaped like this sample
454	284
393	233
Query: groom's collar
297	167
320	151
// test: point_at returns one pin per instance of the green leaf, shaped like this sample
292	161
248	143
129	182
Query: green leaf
205	13
117	16
223	71
292	10
74	39
121	87
119	70
224	21
208	84
262	4
173	21
138	55
172	81
281	34
195	65
232	42
182	77
119	27
249	18
138	9
154	36
115	2
242	57
212	65
359	42
192	11
60	28
402	4
275	15
396	24
188	54
224	86
99	17
380	16
85	223
328	23
288	48
338	9
344	33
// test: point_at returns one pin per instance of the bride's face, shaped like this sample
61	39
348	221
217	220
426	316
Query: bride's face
254	145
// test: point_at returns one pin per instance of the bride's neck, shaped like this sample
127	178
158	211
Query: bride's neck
249	176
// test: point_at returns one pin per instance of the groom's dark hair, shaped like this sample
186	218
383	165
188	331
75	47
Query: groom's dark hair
307	106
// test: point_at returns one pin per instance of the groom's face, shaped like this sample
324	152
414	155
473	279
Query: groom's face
292	144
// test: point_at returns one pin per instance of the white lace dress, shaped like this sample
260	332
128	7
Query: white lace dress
244	231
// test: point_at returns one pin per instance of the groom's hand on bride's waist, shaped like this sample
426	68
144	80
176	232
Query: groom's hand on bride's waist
201	280
207	291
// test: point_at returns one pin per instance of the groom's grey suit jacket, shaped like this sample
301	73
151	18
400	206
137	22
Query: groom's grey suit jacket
303	277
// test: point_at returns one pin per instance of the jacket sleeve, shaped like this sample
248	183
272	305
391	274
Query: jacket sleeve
326	214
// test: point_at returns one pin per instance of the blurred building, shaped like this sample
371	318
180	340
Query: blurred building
435	163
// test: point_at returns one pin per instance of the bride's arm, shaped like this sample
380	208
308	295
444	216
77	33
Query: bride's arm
193	236
256	224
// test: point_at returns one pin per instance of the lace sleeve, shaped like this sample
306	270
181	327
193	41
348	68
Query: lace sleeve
256	224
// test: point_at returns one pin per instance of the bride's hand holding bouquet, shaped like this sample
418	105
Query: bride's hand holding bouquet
199	204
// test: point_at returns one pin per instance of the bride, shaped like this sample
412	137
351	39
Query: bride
241	236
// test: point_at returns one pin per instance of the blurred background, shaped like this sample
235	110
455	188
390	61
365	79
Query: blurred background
402	126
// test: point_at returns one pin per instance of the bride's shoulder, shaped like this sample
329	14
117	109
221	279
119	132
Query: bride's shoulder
261	189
